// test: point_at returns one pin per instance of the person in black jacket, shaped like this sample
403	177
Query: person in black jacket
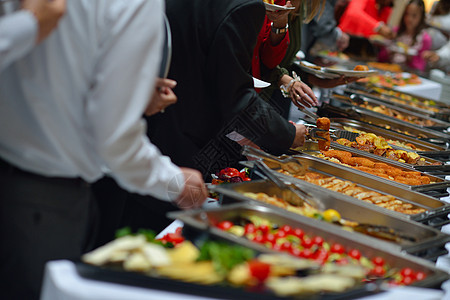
212	48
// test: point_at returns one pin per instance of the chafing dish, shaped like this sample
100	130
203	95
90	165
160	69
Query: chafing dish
204	221
339	109
416	119
428	107
436	210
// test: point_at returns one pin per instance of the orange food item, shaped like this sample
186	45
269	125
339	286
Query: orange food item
324	124
361	68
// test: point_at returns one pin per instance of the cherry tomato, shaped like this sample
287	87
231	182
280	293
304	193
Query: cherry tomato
298	233
250	228
322	255
307	243
342	261
259	270
286	246
407	280
354	253
407	272
228	173
420	275
270	237
318	240
295	251
306	253
378	271
337	248
259	238
263	228
276	247
378	261
246	179
286	228
225	225
280	234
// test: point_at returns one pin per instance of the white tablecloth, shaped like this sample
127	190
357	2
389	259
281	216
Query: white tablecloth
427	89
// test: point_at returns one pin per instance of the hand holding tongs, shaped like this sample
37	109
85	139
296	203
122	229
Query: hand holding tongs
334	133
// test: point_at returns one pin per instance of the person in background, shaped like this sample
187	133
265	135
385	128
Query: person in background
439	21
366	18
71	111
20	31
217	108
322	33
272	41
410	36
439	58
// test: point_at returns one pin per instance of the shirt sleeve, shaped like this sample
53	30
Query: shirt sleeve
17	36
124	80
356	20
272	55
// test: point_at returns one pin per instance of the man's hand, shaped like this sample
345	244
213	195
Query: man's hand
343	41
302	94
385	31
430	56
47	13
194	192
162	97
300	135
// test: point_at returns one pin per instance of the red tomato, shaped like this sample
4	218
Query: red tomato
263	228
298	233
307	243
276	247
354	253
259	270
407	272
286	246
420	275
270	238
322	255
250	228
286	228
295	251
246	179
378	261
244	176
318	240
407	280
228	173
337	248
225	225
306	253
259	238
378	271
280	234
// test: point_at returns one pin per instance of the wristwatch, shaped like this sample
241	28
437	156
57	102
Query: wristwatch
279	30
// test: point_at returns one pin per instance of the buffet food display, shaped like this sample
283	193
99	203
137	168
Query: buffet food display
354	215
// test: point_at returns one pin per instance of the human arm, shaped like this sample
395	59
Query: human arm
163	96
417	61
273	45
21	30
123	82
299	92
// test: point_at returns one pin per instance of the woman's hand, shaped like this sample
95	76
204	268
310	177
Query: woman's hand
302	95
163	96
279	17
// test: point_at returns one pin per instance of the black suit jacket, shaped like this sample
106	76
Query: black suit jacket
213	43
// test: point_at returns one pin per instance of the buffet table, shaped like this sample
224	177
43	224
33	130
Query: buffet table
427	89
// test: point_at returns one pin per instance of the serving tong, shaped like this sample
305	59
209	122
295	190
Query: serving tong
334	133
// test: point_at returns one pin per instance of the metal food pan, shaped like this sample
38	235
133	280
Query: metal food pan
436	210
437	125
204	221
339	123
419	108
339	109
312	148
429	244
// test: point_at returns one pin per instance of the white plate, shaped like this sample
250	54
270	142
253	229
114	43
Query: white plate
274	7
258	83
351	73
306	66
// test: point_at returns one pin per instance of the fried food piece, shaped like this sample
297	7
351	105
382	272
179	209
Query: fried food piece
342	156
408	181
361	68
324	124
361	161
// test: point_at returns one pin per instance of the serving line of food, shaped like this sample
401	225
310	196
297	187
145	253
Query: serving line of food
355	211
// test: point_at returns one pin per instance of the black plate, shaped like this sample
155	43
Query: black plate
224	291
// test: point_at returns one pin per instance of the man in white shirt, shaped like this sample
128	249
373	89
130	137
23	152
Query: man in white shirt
21	30
71	110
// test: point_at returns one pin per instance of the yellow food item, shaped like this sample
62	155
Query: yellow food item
331	215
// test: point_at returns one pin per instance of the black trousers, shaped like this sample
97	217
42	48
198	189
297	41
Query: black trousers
41	219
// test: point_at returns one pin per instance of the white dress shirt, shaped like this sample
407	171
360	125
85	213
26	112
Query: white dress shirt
73	106
17	36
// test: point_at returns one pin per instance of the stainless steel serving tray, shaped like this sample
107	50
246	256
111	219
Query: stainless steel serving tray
357	100
420	105
204	220
339	123
311	148
339	109
436	210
